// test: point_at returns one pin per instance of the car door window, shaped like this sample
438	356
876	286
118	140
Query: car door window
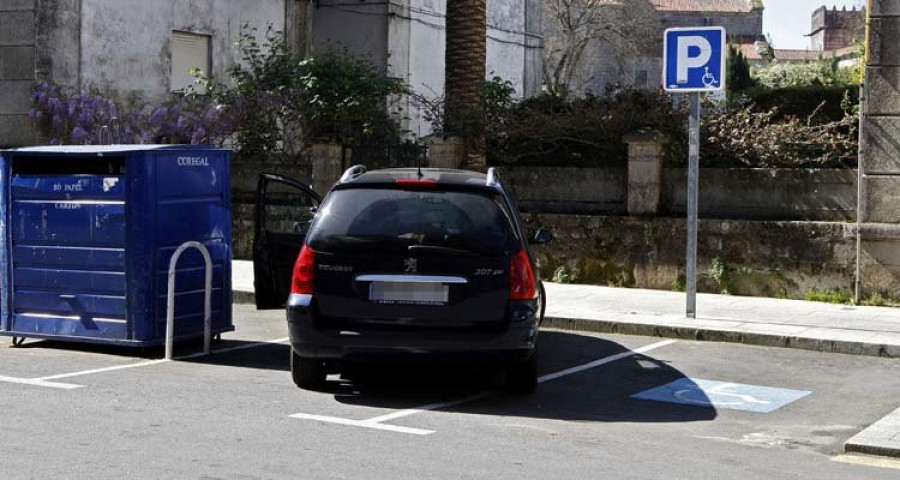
288	210
285	211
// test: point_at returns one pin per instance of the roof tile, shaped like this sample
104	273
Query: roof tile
722	6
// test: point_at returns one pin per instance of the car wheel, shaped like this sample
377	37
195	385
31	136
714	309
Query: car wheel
522	377
308	373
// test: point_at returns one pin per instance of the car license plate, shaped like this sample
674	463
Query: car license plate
409	293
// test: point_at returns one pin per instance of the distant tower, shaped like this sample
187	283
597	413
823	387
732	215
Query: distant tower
834	29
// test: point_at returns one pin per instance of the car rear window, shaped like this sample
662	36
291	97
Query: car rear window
391	221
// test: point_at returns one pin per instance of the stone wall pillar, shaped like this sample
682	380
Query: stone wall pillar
327	161
879	206
17	71
446	152
644	171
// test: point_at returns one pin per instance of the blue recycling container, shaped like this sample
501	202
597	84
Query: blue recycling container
87	233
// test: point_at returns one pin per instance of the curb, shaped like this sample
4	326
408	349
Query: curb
725	336
872	449
881	439
243	298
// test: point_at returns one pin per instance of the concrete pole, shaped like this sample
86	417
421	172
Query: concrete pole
298	18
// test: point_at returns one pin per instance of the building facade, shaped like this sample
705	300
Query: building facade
139	51
607	65
407	38
133	51
836	29
741	18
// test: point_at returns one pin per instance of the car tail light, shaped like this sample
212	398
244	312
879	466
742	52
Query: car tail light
304	272
522	284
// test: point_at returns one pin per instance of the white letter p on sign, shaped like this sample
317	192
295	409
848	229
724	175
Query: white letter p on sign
687	62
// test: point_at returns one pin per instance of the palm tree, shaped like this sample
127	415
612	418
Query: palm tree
465	73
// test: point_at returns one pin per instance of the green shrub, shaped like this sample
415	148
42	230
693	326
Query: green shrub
280	101
831	296
879	300
824	72
554	130
749	138
563	275
738	71
822	103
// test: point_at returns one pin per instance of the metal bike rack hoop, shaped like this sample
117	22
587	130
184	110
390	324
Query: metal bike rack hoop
170	305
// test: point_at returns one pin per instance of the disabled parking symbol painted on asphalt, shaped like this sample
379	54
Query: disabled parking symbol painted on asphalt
734	396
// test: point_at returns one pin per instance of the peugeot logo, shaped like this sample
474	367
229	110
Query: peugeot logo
410	265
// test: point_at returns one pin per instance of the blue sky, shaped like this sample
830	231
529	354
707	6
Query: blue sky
788	20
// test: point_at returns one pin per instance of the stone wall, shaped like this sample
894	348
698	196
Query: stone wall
765	258
758	194
879	243
765	194
569	190
17	67
244	180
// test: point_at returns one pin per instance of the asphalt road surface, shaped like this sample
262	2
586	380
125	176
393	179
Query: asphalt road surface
604	409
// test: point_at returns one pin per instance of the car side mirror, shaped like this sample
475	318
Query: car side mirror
541	237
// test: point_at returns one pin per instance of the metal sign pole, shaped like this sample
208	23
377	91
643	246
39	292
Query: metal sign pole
692	202
694	62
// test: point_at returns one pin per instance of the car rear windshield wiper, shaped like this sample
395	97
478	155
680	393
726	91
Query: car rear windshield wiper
455	252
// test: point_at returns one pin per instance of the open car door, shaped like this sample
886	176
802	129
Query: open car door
285	209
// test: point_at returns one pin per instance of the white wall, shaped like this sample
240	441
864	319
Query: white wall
417	48
126	44
408	37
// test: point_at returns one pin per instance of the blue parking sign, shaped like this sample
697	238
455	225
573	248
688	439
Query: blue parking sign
694	59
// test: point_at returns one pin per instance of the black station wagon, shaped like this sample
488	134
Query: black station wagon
400	264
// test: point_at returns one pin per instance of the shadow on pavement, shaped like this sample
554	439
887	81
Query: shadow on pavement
601	394
98	348
272	356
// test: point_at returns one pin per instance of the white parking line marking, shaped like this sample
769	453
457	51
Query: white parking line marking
433	406
377	422
362	423
867	461
236	349
44	381
101	370
604	361
39	383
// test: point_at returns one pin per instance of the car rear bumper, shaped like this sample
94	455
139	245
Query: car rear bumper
331	339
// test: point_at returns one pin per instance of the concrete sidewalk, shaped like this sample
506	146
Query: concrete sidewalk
823	327
759	321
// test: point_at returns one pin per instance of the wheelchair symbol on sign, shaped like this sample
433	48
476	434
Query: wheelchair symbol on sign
709	80
689	395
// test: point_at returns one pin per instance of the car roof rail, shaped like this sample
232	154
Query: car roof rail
353	173
493	178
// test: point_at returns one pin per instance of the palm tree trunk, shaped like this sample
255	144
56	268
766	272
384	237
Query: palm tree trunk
465	73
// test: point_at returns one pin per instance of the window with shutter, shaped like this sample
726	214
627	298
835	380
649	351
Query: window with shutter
189	51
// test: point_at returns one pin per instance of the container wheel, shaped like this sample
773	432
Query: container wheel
308	373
